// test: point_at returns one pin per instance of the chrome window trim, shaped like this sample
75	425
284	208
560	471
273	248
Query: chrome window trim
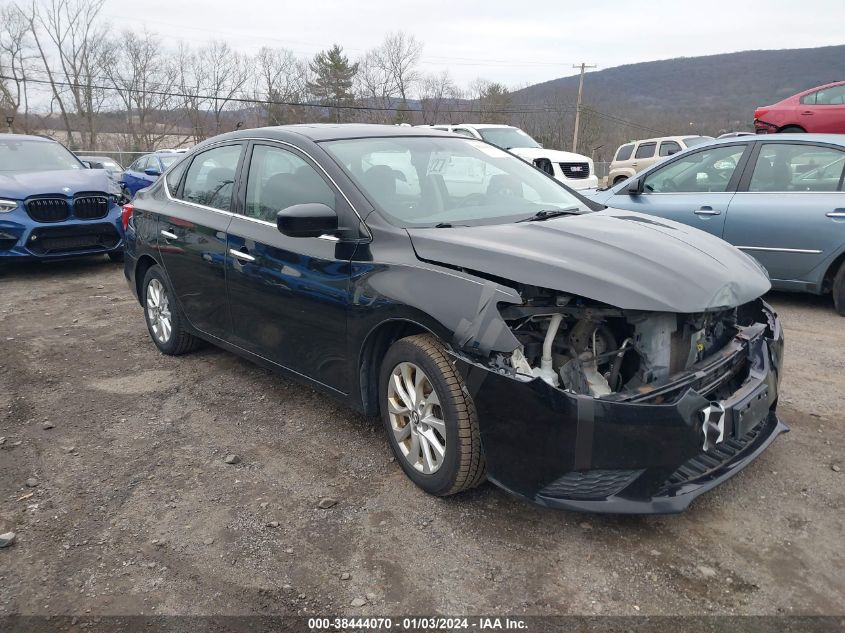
768	249
241	215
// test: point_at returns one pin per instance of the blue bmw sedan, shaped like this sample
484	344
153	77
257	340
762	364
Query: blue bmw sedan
779	198
51	205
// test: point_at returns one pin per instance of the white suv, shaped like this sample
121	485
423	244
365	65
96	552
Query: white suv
574	170
635	156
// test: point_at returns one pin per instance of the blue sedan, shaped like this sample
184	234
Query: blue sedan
779	198
52	206
146	170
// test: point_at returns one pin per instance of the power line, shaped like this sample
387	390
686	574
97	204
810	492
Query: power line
523	108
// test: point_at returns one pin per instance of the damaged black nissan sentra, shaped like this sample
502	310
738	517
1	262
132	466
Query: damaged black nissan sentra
501	325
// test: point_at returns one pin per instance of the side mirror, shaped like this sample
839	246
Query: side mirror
307	220
635	187
152	171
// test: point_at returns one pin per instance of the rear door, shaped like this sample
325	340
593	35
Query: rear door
789	211
288	295
694	188
192	237
824	110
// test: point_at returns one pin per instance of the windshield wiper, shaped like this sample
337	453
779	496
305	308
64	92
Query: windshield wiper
545	214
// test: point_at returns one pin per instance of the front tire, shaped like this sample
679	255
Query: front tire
839	290
619	179
429	417
165	322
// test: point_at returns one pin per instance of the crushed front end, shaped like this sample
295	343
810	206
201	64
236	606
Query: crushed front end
606	410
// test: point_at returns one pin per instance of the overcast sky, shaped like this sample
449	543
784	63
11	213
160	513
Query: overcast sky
511	41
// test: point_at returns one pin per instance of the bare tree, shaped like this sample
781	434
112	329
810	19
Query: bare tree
73	47
144	77
281	79
389	72
226	75
437	92
16	58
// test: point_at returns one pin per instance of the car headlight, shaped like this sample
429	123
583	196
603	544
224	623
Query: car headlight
8	205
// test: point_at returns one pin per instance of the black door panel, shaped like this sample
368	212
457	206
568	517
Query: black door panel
288	299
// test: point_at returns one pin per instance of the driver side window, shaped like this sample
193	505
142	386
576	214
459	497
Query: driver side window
709	170
279	179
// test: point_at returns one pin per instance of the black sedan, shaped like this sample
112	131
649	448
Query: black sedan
501	325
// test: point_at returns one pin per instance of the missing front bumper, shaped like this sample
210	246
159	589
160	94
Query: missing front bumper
581	453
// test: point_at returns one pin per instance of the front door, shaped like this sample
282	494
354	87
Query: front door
790	212
288	295
192	237
693	189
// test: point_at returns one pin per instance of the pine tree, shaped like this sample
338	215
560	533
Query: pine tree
332	84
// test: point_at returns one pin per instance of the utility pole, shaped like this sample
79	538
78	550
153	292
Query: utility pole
583	67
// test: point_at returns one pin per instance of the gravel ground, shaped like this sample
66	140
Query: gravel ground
113	475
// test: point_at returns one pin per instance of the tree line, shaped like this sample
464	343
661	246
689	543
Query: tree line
62	68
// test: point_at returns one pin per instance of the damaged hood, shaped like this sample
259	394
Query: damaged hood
624	259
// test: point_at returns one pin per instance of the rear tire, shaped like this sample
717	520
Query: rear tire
839	290
435	435
116	256
619	179
793	129
165	322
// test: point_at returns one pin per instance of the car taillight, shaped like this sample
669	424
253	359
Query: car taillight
125	214
760	112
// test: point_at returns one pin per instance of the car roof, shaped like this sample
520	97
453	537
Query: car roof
657	139
26	137
835	139
336	131
485	126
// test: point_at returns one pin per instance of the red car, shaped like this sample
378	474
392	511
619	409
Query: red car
820	109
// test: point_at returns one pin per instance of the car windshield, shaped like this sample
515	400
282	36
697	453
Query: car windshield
431	181
691	141
167	161
28	155
507	137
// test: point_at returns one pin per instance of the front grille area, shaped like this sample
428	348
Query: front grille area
592	484
48	209
575	170
71	239
703	463
90	207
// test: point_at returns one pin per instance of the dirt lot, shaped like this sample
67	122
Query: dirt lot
135	511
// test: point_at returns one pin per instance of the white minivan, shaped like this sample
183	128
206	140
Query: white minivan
637	155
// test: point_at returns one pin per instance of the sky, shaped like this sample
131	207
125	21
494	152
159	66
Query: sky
514	42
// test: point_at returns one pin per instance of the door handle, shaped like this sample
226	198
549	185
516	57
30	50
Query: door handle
807	113
241	255
836	213
705	210
169	235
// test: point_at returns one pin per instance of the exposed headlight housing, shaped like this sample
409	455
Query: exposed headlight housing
7	206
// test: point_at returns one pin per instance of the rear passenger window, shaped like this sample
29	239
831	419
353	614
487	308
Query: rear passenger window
279	179
667	148
174	176
786	167
645	150
211	177
624	152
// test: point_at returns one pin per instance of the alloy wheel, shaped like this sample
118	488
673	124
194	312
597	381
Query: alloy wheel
416	418
158	311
